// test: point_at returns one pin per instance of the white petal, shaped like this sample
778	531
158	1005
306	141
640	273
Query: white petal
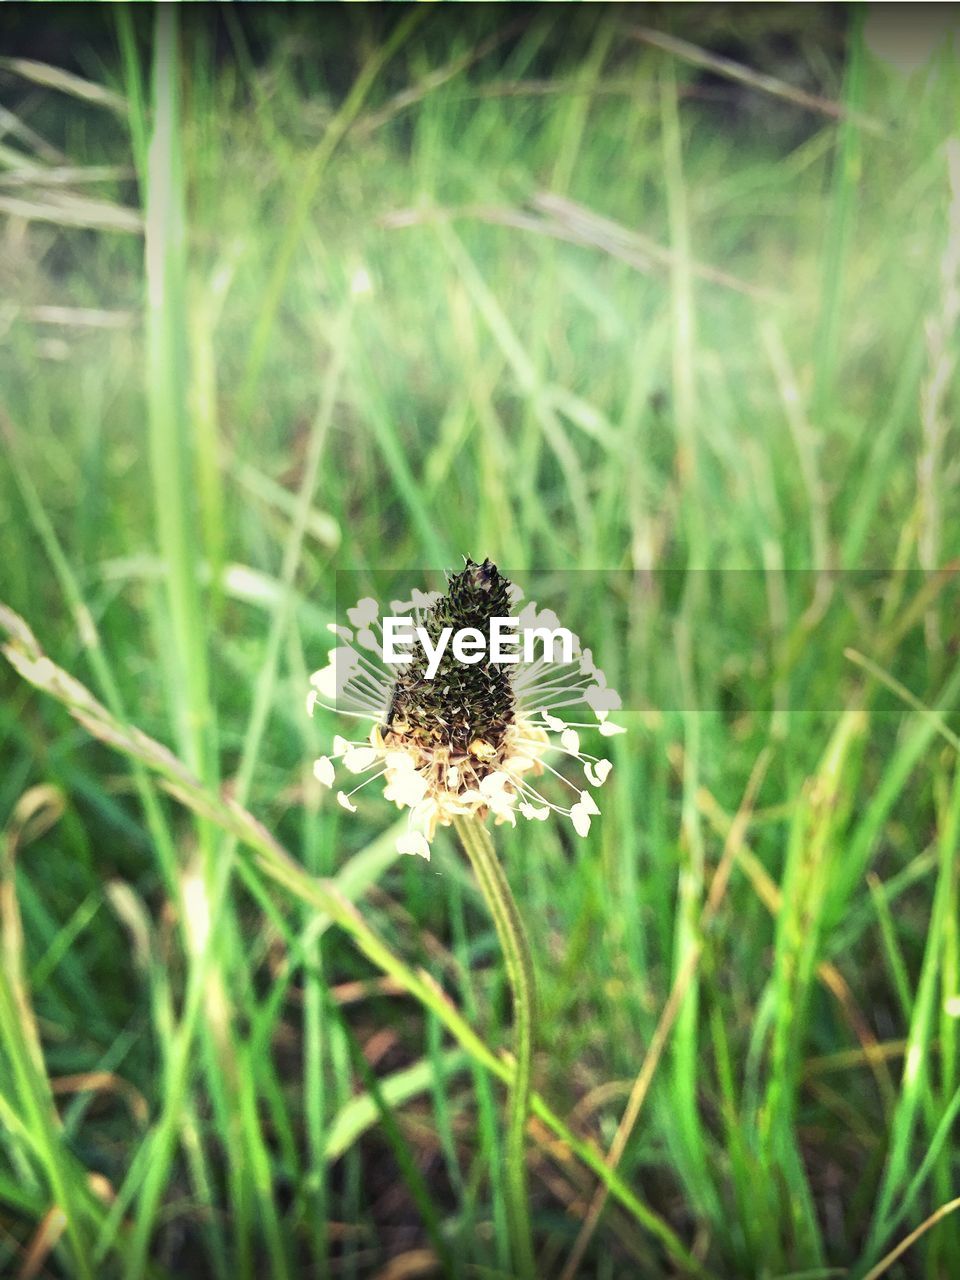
607	730
332	679
364	612
399	762
323	771
359	758
422	816
453	776
580	819
553	722
340	745
503	806
519	764
414	842
528	615
311	701
369	641
344	800
493	783
407	788
587	803
601	699
530	811
547	618
598	773
325	682
570	741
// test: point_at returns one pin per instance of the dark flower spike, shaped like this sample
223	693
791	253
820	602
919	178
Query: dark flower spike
472	739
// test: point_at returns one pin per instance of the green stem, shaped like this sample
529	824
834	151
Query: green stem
516	953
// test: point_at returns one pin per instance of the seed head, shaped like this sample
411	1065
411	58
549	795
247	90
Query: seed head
464	708
471	739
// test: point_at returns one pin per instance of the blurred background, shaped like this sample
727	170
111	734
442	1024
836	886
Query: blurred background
668	291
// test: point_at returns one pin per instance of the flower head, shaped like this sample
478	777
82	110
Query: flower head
472	737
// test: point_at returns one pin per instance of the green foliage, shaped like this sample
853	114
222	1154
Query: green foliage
284	295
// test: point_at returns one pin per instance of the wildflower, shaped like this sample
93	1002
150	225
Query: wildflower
473	739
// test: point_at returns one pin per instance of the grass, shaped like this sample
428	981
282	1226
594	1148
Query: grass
675	346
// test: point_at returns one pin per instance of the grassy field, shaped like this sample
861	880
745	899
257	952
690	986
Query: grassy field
291	292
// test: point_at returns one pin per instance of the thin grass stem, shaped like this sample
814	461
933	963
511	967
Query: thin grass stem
479	848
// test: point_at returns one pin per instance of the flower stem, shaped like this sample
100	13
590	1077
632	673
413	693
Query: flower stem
516	953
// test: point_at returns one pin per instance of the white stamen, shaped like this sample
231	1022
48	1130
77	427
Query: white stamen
324	771
364	612
580	819
359	758
587	803
414	842
597	774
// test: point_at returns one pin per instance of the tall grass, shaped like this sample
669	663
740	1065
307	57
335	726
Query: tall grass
624	314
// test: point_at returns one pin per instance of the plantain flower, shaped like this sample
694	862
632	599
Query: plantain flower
473	737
